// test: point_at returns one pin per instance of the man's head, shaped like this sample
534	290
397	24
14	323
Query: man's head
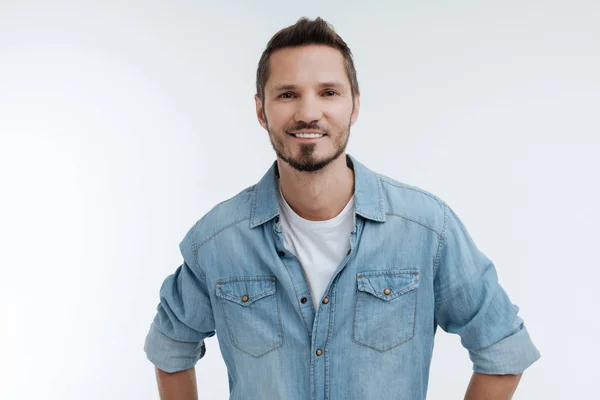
306	82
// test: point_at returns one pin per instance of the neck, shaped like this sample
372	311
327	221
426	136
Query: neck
319	195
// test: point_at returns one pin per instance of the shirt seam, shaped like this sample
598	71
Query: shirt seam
441	242
416	222
195	252
196	246
386	181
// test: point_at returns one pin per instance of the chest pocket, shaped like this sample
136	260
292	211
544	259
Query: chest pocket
385	311
251	312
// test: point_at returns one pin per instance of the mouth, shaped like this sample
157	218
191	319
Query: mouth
307	136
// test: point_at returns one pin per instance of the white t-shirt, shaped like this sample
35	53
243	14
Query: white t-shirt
319	245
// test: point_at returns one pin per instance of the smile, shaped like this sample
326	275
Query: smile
308	135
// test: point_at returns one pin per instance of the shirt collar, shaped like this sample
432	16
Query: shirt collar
368	198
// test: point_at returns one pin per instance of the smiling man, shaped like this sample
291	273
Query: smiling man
327	280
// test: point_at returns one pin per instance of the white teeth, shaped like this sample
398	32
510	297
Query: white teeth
308	135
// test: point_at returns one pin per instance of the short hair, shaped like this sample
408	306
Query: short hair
305	32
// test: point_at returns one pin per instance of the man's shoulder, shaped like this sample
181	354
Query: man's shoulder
412	202
229	212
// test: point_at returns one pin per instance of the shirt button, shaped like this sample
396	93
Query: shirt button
303	300
387	291
325	300
281	253
319	352
244	298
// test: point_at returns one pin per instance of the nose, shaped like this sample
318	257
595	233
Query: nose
309	110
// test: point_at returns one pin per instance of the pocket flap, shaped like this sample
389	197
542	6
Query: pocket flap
397	281
245	291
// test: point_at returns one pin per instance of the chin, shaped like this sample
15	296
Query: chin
311	165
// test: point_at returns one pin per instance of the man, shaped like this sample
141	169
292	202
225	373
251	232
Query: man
326	280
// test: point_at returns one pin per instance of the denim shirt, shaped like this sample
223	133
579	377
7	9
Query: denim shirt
411	267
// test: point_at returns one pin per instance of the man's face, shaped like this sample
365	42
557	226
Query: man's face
308	91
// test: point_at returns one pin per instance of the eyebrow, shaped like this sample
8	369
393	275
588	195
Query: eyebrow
293	87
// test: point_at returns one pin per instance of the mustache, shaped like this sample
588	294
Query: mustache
301	126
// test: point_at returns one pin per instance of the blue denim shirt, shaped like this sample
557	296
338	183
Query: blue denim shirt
411	267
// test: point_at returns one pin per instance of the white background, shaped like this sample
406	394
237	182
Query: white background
122	123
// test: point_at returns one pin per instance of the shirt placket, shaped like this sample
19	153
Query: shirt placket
318	323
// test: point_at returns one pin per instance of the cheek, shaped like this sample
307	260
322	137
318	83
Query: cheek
340	111
341	119
278	117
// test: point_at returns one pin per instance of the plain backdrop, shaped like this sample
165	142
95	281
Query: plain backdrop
122	123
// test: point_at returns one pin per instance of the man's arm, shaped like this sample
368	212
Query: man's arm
184	318
177	385
492	387
470	302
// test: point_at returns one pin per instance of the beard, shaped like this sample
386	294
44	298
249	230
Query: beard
306	161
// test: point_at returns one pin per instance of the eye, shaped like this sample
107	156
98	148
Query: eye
333	93
281	96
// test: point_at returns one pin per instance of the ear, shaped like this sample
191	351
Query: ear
260	112
356	109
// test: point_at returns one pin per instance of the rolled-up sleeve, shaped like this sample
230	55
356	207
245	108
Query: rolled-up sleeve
184	318
470	302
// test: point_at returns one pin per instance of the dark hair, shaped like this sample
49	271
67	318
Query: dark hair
304	32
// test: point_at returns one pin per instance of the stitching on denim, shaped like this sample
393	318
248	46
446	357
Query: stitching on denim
389	272
389	348
415	313
234	342
281	331
196	246
379	188
414	284
253	278
302	315
311	376
332	303
395	295
295	292
438	200
195	250
224	295
252	215
355	308
254	196
440	242
416	222
221	230
202	271
229	330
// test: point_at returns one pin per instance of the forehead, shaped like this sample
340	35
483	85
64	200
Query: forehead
306	65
